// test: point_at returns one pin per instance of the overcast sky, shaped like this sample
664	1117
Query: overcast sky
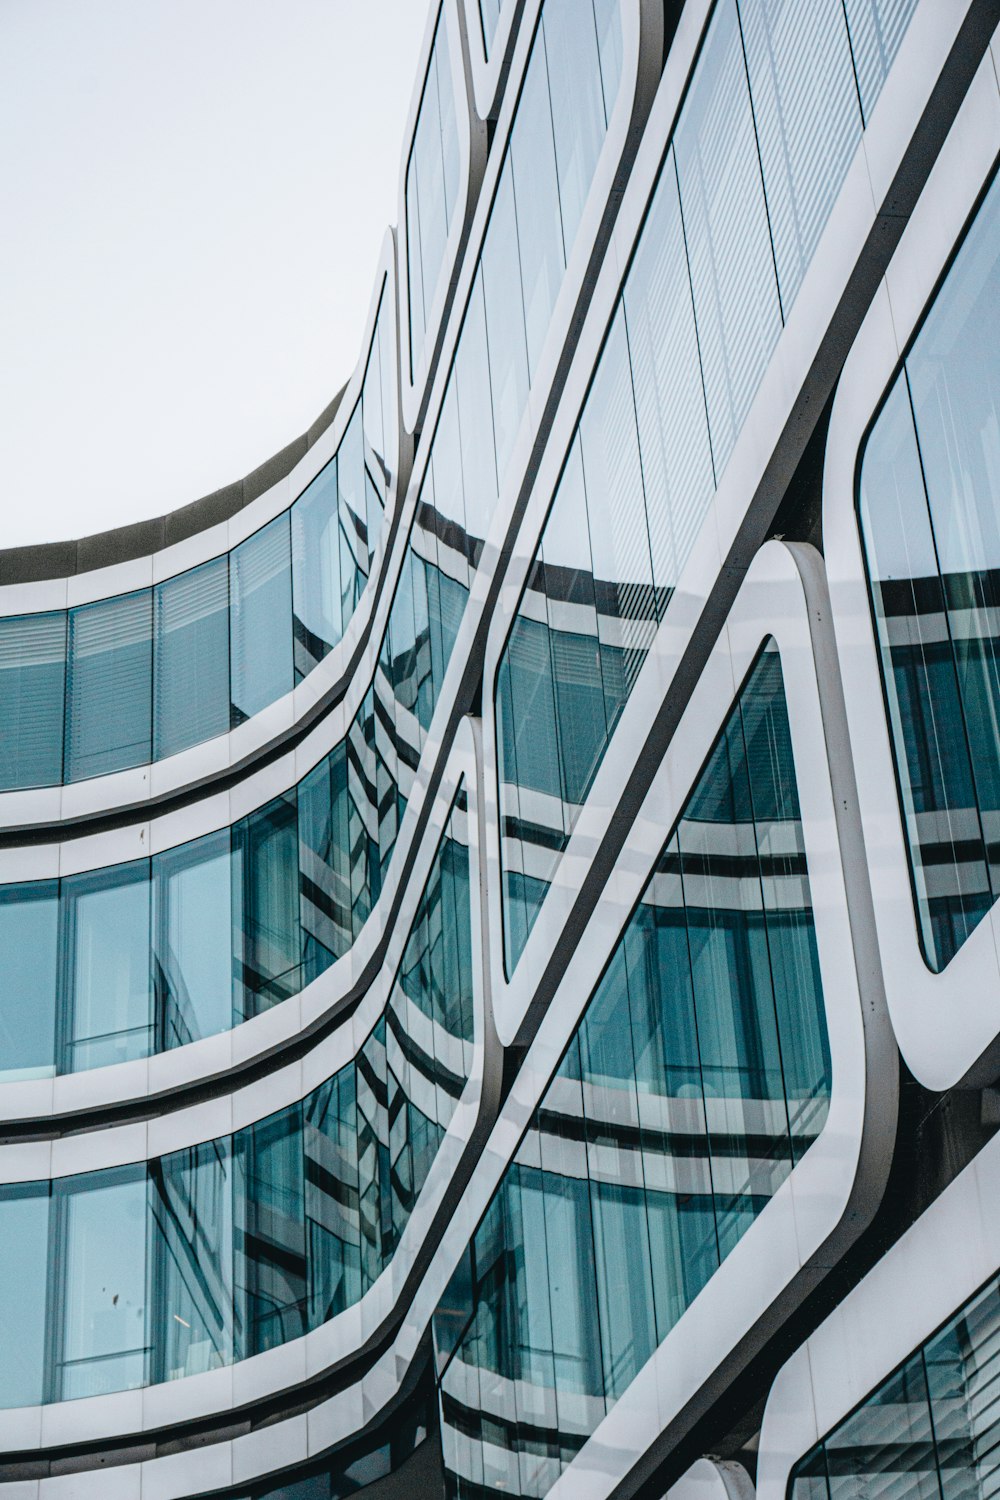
194	194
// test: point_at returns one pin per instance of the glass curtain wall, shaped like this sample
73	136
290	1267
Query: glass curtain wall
141	676
929	499
116	1279
697	1078
432	185
769	127
931	1431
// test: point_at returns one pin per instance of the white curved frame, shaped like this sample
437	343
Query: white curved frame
472	148
141	785
947	1024
831	1194
184	1066
488	74
853	223
823	1204
941	1261
157	1407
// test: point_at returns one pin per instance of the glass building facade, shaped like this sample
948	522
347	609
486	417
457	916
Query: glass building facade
466	914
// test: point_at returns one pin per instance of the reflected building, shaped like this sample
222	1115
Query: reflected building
499	959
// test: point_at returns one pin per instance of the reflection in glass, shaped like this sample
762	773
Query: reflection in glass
106	965
928	1432
234	1246
929	495
101	1339
29	936
193	956
697	1077
260	619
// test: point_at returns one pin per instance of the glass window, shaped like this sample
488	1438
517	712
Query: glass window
536	191
32	686
928	499
728	238
101	1265
805	107
475	411
271	1245
191	658
431	188
106	1010
109	685
24	1269
266	904
331	1197
193	956
260	619
318	621
697	1076
353	511
505	319
191	1200
676	455
877	28
29	927
577	103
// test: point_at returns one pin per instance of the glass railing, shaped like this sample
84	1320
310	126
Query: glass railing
697	1078
929	502
769	127
140	676
120	1278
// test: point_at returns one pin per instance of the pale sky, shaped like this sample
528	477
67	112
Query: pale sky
194	195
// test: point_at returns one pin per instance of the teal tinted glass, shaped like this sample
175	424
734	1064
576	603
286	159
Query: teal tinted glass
106	1009
109	680
29	939
234	1246
32	688
928	499
260	619
697	1077
929	1431
191	658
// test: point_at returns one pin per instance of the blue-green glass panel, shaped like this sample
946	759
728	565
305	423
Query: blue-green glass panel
109	685
24	1269
193	955
32	691
271	1272
191	657
106	1000
260	619
29	947
191	1204
317	597
101	1335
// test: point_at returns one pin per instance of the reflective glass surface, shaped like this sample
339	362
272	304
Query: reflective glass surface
696	1079
109	680
141	676
929	1432
929	497
143	957
111	1280
431	189
489	11
763	142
